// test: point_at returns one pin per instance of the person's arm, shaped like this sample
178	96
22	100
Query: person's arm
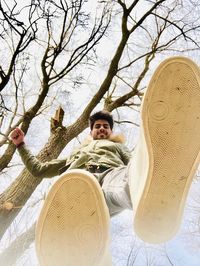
34	166
125	154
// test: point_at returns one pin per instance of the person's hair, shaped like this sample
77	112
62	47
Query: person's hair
104	115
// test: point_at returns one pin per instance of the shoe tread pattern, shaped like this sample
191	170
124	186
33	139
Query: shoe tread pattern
171	117
73	225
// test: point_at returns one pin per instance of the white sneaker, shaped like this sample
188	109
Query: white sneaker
168	152
73	226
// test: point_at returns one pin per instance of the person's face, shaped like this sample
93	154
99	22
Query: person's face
101	129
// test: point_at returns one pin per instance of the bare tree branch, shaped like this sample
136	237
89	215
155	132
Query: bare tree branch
12	253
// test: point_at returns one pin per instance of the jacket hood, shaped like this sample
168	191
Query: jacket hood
119	138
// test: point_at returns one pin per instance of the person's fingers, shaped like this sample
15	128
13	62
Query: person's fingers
16	133
18	130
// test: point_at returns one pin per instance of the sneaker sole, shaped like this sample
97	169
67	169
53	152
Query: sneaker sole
171	125
73	226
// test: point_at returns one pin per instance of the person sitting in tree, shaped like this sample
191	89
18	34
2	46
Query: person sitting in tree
102	177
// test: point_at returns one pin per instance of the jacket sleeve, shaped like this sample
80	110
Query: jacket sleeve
37	168
125	154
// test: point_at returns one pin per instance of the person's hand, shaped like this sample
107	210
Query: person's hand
17	136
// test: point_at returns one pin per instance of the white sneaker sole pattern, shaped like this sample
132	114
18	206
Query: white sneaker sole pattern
73	227
171	126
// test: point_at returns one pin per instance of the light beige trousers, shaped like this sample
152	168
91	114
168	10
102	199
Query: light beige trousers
116	190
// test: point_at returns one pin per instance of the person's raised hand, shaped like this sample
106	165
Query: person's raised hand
17	136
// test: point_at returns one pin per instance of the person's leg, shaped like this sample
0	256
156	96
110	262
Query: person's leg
116	190
168	152
73	226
